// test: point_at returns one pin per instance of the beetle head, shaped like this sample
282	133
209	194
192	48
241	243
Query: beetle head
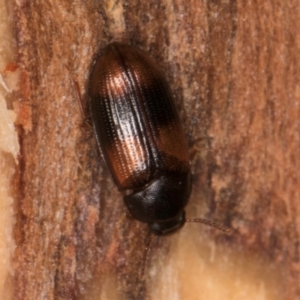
161	203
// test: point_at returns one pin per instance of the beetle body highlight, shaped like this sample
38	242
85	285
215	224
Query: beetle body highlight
140	136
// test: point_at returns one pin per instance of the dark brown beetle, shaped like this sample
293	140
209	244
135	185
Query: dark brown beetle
140	136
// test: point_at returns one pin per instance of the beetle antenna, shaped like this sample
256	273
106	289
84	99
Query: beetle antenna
81	105
211	224
147	254
79	98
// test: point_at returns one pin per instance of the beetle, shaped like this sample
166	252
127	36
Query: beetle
140	137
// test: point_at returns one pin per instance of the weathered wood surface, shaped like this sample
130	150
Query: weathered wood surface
235	70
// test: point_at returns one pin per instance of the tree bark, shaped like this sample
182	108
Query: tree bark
234	69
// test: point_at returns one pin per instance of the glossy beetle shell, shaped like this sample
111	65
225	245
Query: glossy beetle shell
140	136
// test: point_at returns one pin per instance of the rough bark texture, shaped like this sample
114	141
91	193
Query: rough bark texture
234	68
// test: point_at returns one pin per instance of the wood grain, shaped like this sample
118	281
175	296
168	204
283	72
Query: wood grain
234	68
